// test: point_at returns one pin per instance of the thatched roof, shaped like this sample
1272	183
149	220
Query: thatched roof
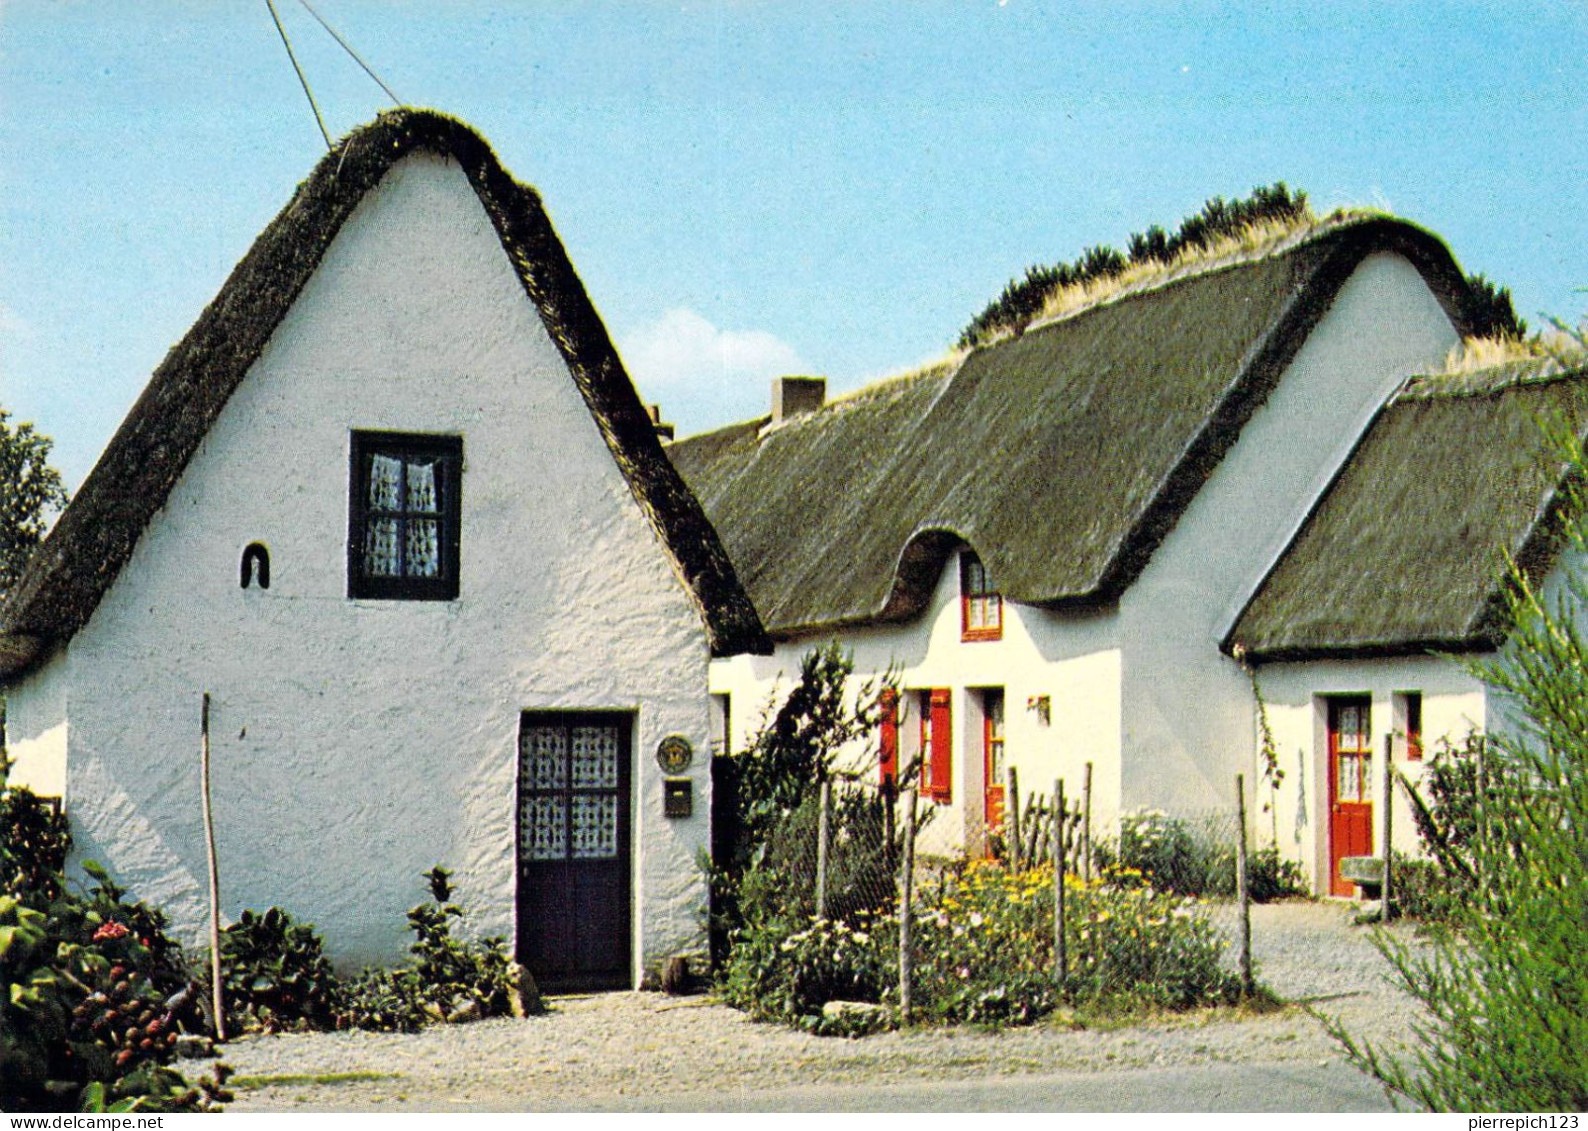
95	536
1405	552
1064	456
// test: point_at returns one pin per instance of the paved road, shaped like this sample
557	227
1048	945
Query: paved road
1216	1088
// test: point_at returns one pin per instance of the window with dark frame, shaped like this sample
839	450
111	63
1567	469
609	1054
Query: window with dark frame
404	516
981	606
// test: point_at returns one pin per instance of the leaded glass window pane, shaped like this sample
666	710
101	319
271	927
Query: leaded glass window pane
545	753
595	757
595	826
545	822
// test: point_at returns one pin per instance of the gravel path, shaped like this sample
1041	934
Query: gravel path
617	1048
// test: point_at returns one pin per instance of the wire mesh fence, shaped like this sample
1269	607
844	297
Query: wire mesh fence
875	850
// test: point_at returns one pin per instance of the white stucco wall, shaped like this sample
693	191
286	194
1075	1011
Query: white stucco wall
1072	659
36	728
359	742
1454	705
1187	708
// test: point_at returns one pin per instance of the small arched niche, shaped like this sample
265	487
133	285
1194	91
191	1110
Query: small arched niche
255	568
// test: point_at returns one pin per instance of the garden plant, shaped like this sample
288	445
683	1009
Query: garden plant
983	945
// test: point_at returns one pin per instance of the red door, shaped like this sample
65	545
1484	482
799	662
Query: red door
1350	778
993	758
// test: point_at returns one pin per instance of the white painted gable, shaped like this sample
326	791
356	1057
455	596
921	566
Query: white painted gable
359	742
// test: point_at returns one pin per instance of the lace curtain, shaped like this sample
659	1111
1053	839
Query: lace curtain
405	543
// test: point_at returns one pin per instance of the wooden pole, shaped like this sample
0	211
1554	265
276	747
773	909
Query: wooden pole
906	914
1060	957
216	1001
1012	810
1242	891
1386	912
1480	807
1086	824
822	837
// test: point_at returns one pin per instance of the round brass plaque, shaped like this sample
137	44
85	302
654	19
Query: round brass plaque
674	754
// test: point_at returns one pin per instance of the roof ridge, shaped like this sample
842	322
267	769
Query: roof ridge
1543	370
96	535
1155	275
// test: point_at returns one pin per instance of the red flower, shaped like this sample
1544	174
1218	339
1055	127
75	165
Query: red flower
110	930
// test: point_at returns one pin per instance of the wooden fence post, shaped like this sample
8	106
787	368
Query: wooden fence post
906	912
823	817
216	1000
1086	824
1012	811
1061	958
1242	889
1386	907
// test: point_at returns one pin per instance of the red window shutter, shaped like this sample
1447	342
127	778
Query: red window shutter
888	756
940	758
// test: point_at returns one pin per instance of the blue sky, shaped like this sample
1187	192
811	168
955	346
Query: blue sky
755	188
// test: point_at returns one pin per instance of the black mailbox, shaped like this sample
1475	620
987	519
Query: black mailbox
678	797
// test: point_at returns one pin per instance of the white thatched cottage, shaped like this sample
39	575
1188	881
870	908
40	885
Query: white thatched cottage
1054	542
393	504
1400	569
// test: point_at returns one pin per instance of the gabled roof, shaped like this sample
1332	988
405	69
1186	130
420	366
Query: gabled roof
95	536
1405	552
1063	456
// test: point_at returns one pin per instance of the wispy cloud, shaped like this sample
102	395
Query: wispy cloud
702	374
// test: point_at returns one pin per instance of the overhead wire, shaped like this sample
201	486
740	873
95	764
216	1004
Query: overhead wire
348	47
309	94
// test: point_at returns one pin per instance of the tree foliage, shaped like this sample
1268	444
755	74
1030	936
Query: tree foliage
1022	299
1489	311
31	493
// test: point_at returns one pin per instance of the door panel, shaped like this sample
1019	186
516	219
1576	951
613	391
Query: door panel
1350	785
993	759
574	918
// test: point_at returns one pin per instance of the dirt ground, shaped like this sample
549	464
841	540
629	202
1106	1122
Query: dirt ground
640	1051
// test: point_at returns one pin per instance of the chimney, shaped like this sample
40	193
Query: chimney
796	396
663	431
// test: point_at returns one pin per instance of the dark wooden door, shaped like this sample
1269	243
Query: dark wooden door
1350	785
574	919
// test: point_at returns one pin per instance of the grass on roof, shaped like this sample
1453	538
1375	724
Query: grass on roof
1565	347
1253	241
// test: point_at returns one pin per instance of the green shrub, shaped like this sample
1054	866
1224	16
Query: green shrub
1023	298
1136	946
449	980
1175	855
1270	876
1445	807
1423	891
275	975
986	949
786	970
34	842
96	994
